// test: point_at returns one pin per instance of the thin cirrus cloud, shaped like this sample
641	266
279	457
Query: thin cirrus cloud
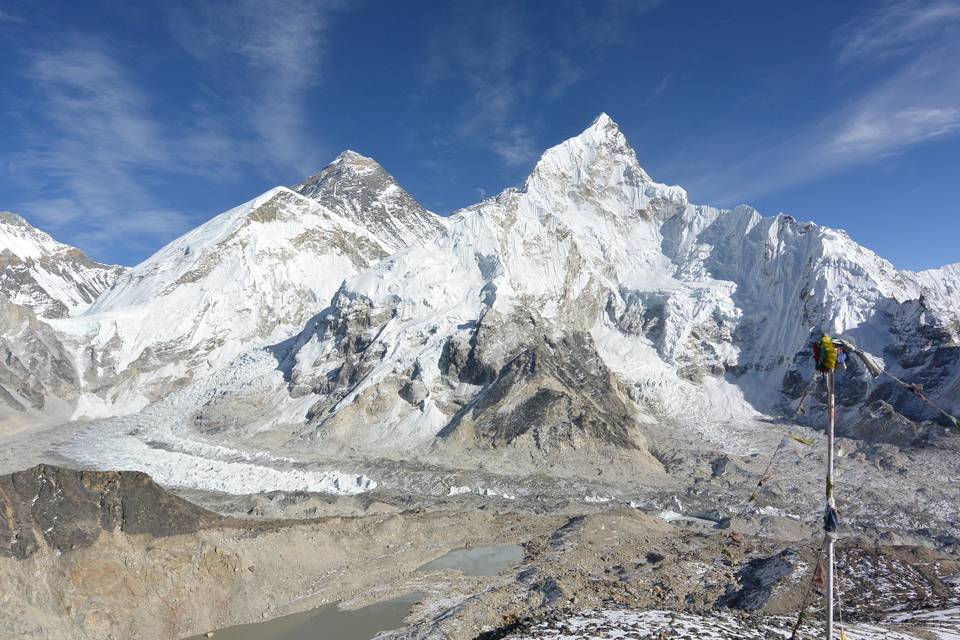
9	17
98	133
93	134
919	100
482	50
489	56
279	50
895	30
915	99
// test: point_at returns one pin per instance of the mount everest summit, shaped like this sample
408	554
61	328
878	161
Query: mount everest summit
563	315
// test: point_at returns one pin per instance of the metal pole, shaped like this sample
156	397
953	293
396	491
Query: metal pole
831	411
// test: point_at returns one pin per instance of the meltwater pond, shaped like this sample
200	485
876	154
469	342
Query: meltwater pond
331	623
325	623
478	561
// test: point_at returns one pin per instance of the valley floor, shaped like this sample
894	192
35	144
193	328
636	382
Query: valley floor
606	553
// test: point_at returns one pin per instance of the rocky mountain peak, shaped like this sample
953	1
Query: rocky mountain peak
361	190
597	170
600	148
20	238
604	129
12	219
354	159
51	278
348	172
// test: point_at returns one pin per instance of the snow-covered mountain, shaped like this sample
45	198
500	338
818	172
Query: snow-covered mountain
360	190
53	279
249	277
41	279
571	311
563	315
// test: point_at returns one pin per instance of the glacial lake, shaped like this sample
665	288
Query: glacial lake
324	623
331	623
478	561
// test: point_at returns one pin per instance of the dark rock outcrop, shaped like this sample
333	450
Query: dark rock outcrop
359	189
759	579
52	507
555	391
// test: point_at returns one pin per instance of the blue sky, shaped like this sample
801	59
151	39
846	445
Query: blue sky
126	124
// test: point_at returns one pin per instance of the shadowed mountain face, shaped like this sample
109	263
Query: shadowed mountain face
37	374
551	394
56	508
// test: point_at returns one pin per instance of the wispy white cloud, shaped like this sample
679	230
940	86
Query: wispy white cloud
93	137
916	98
483	53
100	137
887	120
660	89
9	17
566	73
273	53
920	97
895	29
486	56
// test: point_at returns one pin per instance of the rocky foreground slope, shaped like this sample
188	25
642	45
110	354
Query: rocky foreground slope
110	554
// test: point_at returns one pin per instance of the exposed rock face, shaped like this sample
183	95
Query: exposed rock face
360	190
758	579
880	422
550	393
35	369
53	279
49	507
